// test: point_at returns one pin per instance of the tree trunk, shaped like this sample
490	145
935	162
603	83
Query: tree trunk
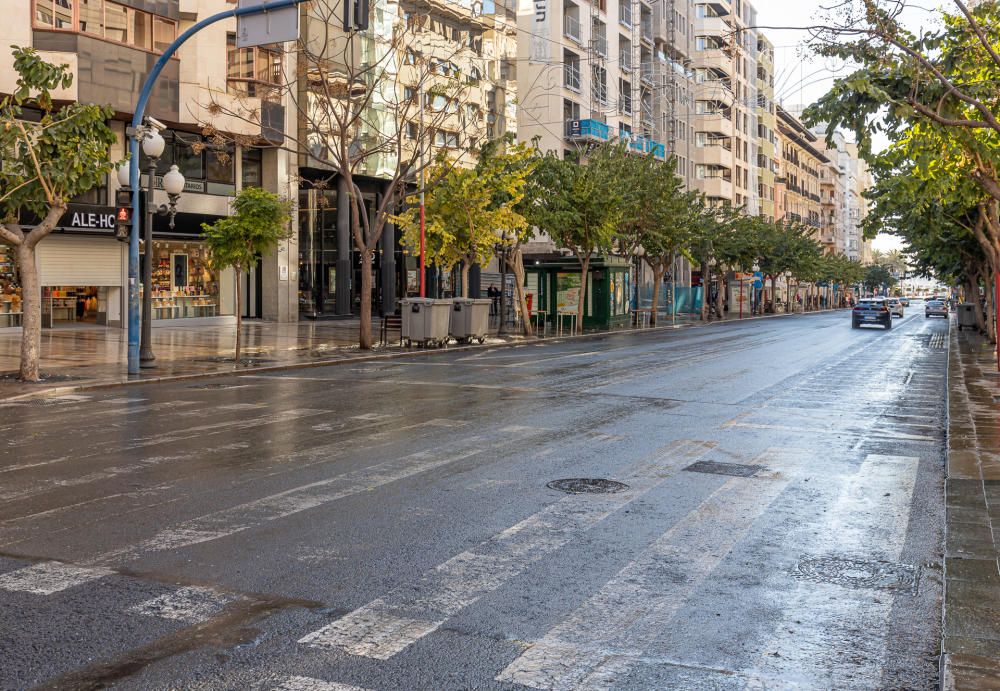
706	289
720	295
466	266
584	272
365	335
517	267
239	313
991	313
31	319
658	271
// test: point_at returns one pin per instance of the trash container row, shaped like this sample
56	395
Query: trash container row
429	322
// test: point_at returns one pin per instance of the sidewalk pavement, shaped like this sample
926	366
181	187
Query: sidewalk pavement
971	645
80	356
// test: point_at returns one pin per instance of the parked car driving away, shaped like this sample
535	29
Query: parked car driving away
936	308
871	311
895	307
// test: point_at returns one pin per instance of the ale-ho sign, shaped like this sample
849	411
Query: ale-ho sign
91	220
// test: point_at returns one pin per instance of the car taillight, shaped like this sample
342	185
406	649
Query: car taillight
884	309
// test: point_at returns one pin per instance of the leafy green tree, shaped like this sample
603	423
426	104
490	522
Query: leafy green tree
579	205
931	92
466	207
46	162
878	278
259	221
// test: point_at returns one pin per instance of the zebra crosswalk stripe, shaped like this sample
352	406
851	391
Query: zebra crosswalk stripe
388	625
600	642
49	577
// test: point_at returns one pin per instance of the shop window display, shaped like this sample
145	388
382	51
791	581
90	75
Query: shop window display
184	285
10	289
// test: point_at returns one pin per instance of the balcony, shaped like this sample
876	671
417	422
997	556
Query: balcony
715	187
600	45
714	156
713	26
587	130
571	28
571	76
625	59
647	30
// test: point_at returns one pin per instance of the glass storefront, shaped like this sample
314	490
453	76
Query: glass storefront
10	289
184	285
317	252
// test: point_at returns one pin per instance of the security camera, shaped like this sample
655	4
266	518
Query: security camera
155	123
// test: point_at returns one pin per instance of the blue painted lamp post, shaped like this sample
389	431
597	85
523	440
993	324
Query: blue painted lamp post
137	133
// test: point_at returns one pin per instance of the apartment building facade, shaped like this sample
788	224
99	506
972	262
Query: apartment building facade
110	46
798	182
725	60
847	206
442	76
607	70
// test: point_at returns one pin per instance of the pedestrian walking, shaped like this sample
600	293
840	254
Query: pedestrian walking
494	295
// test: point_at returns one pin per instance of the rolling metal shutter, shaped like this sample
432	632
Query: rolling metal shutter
66	260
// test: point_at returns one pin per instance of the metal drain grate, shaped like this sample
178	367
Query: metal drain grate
587	485
716	468
858	573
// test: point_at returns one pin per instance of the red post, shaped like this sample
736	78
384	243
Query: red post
741	297
423	272
996	309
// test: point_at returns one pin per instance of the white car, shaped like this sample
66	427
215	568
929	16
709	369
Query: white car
895	307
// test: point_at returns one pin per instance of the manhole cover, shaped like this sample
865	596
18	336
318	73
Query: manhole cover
858	573
587	485
716	468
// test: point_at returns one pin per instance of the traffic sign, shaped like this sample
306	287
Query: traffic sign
272	26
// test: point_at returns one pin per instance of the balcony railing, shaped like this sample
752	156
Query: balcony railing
571	76
625	59
600	45
571	28
588	129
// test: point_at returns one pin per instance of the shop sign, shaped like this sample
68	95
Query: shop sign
196	186
90	220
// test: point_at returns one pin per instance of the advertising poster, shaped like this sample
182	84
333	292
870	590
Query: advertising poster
567	291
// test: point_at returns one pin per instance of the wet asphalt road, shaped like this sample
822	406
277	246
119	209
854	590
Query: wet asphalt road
388	526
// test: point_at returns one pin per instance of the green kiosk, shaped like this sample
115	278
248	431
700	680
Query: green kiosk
553	287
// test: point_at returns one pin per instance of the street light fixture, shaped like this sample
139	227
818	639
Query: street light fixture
153	146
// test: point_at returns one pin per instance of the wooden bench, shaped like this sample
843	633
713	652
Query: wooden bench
391	322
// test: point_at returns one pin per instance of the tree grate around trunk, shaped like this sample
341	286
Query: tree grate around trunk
717	468
587	485
858	573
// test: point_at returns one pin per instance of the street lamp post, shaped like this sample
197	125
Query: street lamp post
153	145
754	301
708	286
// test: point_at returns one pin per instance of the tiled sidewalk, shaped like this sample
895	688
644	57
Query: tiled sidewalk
971	646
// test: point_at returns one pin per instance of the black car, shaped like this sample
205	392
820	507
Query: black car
871	311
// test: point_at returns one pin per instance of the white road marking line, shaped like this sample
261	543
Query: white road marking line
871	513
391	623
49	577
310	684
600	642
246	516
191	604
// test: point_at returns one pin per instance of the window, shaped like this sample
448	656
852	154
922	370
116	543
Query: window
253	72
108	20
252	160
92	17
219	164
54	14
412	130
446	138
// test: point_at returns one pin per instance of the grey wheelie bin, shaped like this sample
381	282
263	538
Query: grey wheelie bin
967	316
470	319
425	321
